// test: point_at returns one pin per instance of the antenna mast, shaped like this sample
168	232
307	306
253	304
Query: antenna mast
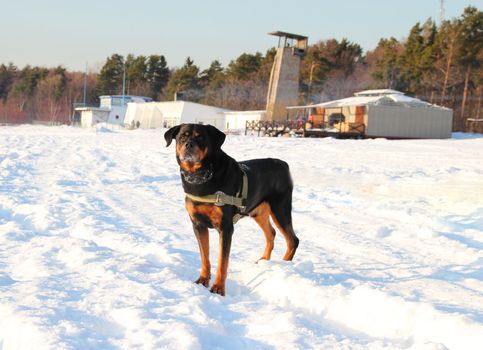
441	11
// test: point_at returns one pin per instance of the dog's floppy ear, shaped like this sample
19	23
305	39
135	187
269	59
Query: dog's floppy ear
216	135
171	134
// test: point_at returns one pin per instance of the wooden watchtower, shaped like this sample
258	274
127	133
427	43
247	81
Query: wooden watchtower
284	79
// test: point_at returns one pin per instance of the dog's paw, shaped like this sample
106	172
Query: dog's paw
203	280
218	289
262	258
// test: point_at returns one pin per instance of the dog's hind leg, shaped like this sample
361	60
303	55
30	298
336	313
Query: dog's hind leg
261	214
281	212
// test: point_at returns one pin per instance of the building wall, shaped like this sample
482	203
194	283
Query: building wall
116	115
86	119
474	125
148	115
284	84
409	122
237	120
198	113
168	114
90	118
171	112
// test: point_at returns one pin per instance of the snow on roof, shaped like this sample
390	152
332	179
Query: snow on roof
378	92
247	112
100	109
386	97
129	97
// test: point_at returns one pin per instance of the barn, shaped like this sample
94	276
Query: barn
379	113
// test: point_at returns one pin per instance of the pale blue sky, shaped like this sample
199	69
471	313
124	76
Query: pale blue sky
71	33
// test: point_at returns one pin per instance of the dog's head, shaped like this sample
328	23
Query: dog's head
195	143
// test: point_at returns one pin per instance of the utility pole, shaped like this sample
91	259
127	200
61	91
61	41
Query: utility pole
85	87
123	82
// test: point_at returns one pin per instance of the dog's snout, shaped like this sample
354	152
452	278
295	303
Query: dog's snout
190	145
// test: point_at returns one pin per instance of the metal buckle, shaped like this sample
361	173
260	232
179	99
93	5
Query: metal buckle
218	196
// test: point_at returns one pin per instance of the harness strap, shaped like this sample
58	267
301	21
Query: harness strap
219	198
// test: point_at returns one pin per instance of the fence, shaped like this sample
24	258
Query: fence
305	129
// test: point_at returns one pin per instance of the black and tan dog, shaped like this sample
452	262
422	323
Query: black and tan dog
220	190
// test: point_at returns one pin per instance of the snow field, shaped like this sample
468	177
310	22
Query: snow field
97	251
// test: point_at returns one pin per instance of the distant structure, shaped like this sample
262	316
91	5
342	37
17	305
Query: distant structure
284	79
376	113
153	115
111	110
134	112
441	11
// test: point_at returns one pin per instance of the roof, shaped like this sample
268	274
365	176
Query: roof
289	35
378	92
99	109
127	98
247	112
374	97
181	103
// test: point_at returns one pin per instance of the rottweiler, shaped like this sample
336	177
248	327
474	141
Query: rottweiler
219	190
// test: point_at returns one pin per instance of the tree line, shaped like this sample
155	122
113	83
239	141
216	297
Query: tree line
438	63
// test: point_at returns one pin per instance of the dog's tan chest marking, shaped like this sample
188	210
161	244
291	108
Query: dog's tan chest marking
210	211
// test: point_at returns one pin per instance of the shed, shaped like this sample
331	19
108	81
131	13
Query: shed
383	113
90	116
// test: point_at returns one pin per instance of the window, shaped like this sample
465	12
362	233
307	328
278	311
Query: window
336	118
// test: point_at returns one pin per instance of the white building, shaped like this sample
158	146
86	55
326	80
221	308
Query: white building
167	114
236	120
142	112
112	110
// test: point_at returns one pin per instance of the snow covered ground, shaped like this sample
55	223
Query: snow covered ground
97	252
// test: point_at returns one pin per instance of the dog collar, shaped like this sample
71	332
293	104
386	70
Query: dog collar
198	178
220	199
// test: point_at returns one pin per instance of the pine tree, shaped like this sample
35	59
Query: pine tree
185	80
26	84
213	76
410	59
386	72
49	94
470	50
111	76
136	68
212	81
244	66
446	46
157	74
7	76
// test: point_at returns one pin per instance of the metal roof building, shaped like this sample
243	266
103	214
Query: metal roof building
382	113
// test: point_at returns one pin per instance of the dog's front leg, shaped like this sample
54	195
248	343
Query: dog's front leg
203	237
226	233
